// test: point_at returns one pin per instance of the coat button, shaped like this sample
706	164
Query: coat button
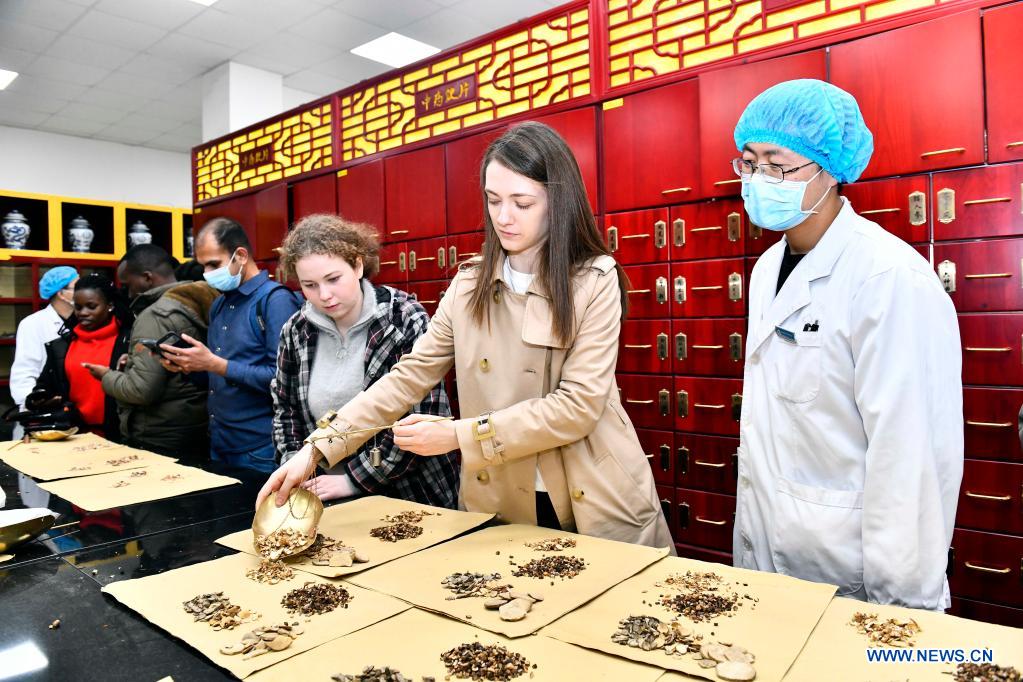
482	477
577	494
484	365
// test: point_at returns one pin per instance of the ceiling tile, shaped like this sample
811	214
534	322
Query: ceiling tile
338	30
91	112
496	14
126	135
37	85
166	15
391	14
143	88
112	30
224	29
164	70
29	102
66	70
316	83
191	52
158	123
180	111
56	15
170	143
187	93
277	13
70	125
445	29
350	68
286	54
109	98
90	52
16	116
14	60
20	36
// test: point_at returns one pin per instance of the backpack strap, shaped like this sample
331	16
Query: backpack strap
261	298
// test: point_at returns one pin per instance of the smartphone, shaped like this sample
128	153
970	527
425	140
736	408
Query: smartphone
174	339
152	345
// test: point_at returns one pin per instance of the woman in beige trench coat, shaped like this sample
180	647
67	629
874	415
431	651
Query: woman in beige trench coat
531	328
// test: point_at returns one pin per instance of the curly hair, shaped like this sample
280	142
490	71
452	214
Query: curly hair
331	235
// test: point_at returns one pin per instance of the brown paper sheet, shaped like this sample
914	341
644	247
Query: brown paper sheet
417	579
351	522
836	650
159	600
83	454
413	642
96	493
774	630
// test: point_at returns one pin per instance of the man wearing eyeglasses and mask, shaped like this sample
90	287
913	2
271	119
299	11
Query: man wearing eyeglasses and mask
851	450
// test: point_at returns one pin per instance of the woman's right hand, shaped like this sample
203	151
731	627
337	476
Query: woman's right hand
289	475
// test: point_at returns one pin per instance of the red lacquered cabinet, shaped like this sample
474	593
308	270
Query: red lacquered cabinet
899	77
899	205
990	497
709	347
638	236
428	293
703	554
705	519
724	94
991	416
759	240
427	259
647	400
648	290
986	566
708	229
263	214
414	184
1003	63
393	264
988	613
982	276
992	354
658	446
315	195
650	157
360	194
710	288
579	129
706	463
666	495
462	247
705	405
464	203
644	346
978	202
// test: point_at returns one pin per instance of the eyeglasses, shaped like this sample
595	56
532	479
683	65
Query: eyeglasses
772	172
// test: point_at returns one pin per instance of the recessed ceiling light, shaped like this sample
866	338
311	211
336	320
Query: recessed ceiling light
204	2
6	77
395	50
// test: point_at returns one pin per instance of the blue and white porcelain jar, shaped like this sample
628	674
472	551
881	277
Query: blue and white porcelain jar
15	230
81	235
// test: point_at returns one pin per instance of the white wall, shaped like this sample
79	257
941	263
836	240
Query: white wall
47	163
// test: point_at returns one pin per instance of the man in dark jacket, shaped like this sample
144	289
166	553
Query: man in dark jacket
160	411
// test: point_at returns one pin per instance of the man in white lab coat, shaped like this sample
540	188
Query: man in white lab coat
851	451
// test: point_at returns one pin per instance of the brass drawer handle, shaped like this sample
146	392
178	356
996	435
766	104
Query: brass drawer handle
880	210
987	350
708	347
706	229
399	231
1013	145
954	150
470	254
993	425
639	402
676	190
713	465
1001	571
709	407
996	200
715	288
422	258
650	456
993	275
735	180
638	291
995	498
710	521
388	262
430	302
638	346
634	236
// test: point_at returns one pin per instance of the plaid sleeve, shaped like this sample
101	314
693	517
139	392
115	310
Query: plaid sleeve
288	423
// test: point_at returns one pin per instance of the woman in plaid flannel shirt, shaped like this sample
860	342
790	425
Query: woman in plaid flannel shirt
348	334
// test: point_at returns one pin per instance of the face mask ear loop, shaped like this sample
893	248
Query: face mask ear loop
813	209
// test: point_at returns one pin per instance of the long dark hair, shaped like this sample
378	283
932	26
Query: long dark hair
97	282
537	152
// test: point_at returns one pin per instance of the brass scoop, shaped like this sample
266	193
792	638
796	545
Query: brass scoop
301	514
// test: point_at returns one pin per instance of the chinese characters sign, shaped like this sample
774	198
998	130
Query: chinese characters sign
254	158
445	96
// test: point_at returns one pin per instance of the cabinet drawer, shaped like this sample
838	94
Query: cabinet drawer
710	229
899	205
711	406
647	400
986	566
645	346
714	347
704	519
638	236
428	293
706	463
991	416
982	276
649	290
711	288
658	446
978	202
990	497
991	349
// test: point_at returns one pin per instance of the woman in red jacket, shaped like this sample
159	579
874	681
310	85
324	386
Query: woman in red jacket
96	333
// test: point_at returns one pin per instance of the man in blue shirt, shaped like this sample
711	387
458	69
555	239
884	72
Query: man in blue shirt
241	358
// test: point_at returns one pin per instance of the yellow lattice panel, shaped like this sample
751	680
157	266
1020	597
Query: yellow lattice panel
539	65
285	148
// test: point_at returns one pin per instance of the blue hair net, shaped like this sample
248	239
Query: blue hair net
814	119
56	279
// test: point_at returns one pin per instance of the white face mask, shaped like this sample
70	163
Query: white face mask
778	206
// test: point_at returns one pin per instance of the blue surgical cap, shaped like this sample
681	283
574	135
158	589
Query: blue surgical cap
814	119
56	279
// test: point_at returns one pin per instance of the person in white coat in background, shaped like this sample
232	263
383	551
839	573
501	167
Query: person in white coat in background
851	450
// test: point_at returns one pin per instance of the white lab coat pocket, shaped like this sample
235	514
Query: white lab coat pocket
798	367
817	535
